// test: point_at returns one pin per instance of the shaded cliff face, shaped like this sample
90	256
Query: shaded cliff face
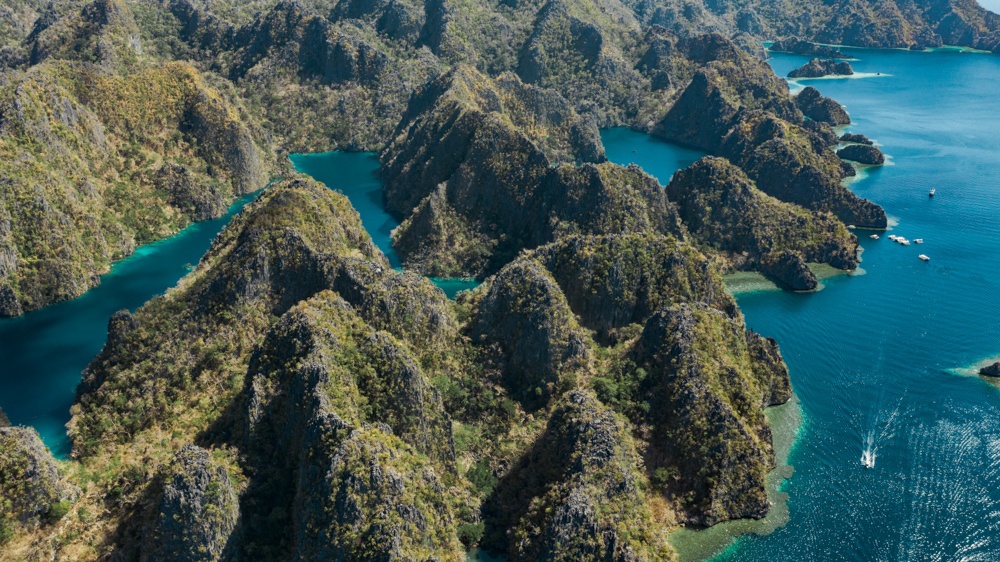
578	494
532	335
820	108
469	211
708	380
267	259
817	68
461	111
662	319
803	47
724	210
863	154
345	434
612	282
881	24
31	489
197	512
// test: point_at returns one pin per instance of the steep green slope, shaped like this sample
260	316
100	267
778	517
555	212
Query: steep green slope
95	164
737	108
724	211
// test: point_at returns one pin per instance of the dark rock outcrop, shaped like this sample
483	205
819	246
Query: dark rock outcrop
802	47
578	494
29	479
611	282
857	138
532	334
346	424
818	68
790	270
197	512
79	129
861	153
468	212
270	257
991	370
195	196
737	108
817	107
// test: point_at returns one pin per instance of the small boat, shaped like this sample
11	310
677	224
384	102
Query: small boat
923	257
918	241
868	459
932	192
893	237
874	236
851	227
904	242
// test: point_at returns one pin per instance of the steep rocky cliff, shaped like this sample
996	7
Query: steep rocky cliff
658	316
197	512
863	154
97	160
723	210
818	107
578	494
295	344
294	397
706	388
468	211
345	434
533	335
32	491
803	47
737	108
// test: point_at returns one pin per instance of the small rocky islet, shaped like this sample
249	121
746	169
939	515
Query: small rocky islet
819	68
992	370
296	397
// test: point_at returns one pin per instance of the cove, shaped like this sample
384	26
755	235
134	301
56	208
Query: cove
43	353
355	174
879	361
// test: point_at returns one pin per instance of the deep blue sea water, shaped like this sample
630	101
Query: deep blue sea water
880	362
43	353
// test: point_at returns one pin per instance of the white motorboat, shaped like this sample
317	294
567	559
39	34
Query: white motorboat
868	458
874	236
918	241
924	257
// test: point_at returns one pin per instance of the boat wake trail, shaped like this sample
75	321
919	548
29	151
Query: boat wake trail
880	433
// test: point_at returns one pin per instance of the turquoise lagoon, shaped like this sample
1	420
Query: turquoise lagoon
355	174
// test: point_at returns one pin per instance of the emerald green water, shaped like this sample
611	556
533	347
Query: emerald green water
43	353
881	362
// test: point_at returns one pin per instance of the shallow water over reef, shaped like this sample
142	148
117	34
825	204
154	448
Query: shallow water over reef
880	361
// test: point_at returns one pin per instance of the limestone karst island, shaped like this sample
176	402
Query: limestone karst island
499	280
